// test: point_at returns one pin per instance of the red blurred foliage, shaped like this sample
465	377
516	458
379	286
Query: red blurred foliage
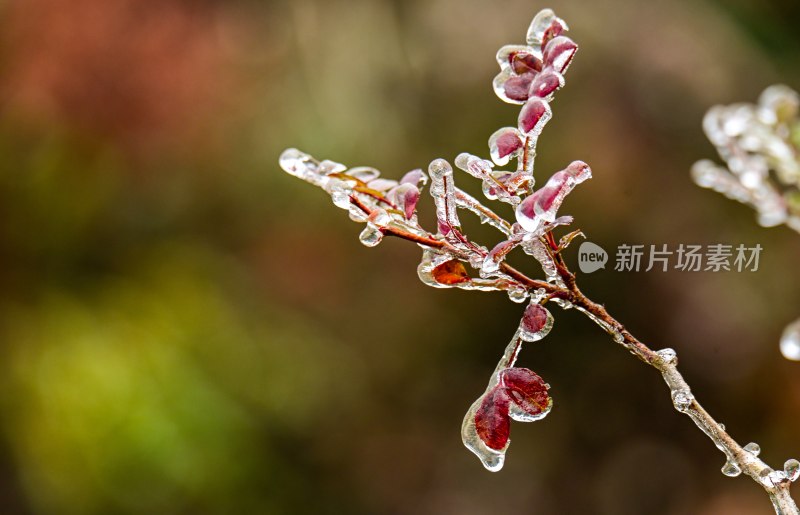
145	73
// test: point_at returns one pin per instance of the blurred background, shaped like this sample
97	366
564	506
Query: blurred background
184	328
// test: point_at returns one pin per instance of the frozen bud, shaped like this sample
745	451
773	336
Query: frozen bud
416	177
528	391
579	171
517	87
504	144
405	196
450	272
559	53
543	204
533	116
491	420
781	101
524	62
536	322
545	84
792	469
541	22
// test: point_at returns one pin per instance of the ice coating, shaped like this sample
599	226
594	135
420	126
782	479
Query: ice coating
443	193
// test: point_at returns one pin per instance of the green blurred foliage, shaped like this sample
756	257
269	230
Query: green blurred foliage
186	329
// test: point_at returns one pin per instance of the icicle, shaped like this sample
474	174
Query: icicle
790	341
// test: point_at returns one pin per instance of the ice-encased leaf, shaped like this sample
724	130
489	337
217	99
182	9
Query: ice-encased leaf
528	392
492	420
450	272
302	166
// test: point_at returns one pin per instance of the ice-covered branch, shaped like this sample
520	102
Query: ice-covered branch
530	75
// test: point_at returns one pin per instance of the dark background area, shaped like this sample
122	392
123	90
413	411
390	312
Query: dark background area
185	328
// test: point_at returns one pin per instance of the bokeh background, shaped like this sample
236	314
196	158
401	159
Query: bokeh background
186	329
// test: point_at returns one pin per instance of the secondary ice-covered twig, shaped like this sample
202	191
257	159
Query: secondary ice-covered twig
760	144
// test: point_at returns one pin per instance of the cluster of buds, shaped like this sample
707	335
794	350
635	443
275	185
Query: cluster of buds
529	76
761	145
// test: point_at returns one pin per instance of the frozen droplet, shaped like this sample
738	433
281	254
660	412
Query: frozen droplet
792	469
682	399
356	214
790	341
536	323
371	235
517	294
302	166
340	192
722	426
380	218
669	356
541	22
731	469
753	448
364	174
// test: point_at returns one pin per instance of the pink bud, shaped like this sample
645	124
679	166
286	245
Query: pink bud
535	318
559	53
534	115
405	196
503	143
414	177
